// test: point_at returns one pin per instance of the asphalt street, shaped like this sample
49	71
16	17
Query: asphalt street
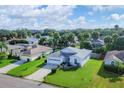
12	82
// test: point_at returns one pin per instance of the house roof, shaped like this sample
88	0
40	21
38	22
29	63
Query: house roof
70	50
120	55
112	54
15	47
55	54
81	53
36	50
97	41
32	39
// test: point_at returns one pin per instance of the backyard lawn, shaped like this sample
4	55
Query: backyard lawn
27	68
91	75
6	62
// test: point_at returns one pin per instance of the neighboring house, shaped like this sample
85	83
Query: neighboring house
114	56
29	52
71	56
97	43
32	40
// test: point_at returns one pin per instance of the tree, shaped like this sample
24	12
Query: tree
119	44
108	39
114	37
22	33
116	27
80	36
95	35
85	44
3	55
71	38
108	42
56	39
42	41
114	40
50	42
38	36
86	35
64	40
14	34
3	45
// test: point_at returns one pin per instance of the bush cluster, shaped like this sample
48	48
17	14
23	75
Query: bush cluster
12	42
3	55
119	69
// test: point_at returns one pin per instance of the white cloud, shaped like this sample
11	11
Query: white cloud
35	17
77	23
105	7
116	17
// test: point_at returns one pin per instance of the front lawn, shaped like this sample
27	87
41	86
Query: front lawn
92	74
27	68
6	62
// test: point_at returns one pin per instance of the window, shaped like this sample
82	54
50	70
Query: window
75	61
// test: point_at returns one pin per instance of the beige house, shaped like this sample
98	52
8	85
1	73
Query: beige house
29	52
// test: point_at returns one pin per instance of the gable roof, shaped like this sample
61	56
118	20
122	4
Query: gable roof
71	50
113	54
36	50
97	41
83	53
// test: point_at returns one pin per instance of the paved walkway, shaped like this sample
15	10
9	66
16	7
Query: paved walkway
39	75
12	82
11	66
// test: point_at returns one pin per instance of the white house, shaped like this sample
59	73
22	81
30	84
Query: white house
69	55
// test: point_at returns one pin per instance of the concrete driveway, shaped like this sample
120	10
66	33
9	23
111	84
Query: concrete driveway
12	82
11	66
39	75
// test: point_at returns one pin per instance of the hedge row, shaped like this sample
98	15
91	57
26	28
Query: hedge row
12	42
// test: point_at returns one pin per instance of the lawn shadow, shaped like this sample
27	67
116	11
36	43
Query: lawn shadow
71	69
113	77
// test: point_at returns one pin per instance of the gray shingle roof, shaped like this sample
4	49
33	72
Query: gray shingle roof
112	54
78	52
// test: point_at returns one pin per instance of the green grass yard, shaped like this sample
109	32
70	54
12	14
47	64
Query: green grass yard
91	75
27	68
6	62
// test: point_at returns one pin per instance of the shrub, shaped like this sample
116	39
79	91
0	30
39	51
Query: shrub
100	50
3	55
12	42
111	68
53	71
116	67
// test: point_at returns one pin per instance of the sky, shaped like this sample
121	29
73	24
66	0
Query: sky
60	17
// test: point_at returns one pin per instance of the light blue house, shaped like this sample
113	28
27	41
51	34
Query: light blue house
71	56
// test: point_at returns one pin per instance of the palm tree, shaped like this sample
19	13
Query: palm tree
3	45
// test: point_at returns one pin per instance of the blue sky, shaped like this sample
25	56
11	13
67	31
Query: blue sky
60	17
